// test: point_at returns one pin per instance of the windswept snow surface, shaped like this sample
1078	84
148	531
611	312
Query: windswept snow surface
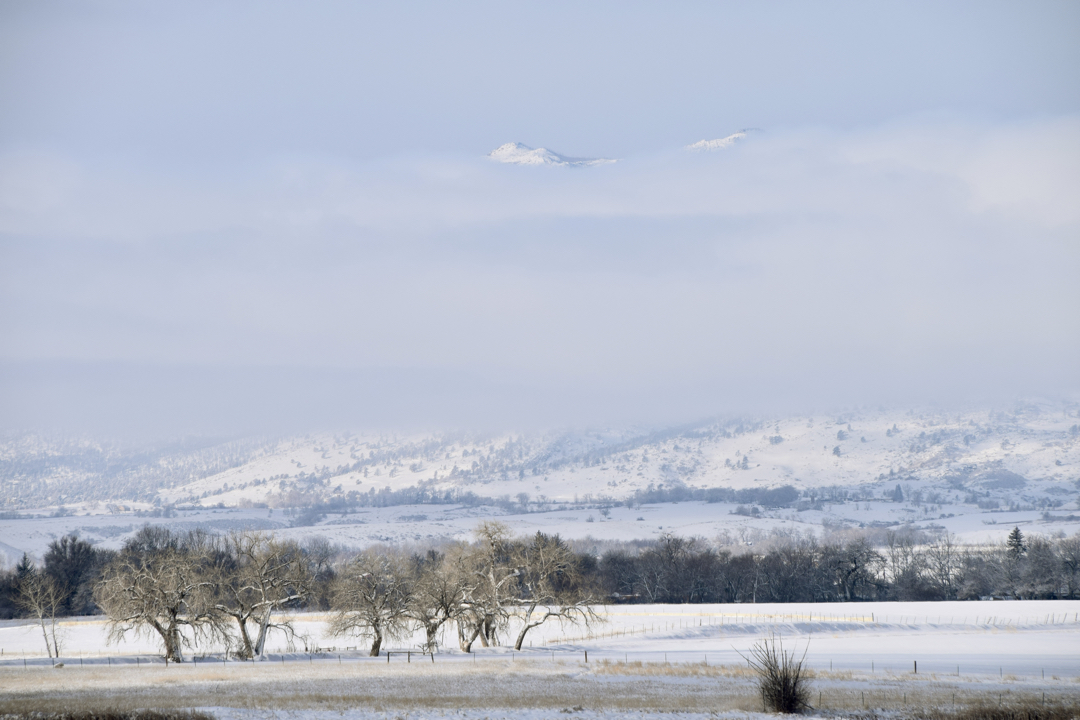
520	154
718	144
1021	638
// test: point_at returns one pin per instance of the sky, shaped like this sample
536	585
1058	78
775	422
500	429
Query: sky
232	217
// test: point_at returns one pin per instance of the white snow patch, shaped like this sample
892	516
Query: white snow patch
718	144
520	154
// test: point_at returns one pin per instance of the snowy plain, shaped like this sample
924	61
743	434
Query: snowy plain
643	659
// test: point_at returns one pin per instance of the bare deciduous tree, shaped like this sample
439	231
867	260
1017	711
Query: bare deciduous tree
493	570
159	584
43	598
440	585
550	586
258	576
371	599
943	561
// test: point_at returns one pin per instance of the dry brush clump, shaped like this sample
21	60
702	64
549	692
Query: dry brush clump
783	682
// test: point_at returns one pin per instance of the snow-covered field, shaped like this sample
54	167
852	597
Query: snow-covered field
433	524
642	658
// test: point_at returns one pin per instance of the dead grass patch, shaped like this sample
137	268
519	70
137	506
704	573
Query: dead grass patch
111	714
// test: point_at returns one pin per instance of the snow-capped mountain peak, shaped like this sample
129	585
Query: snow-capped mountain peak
718	144
521	154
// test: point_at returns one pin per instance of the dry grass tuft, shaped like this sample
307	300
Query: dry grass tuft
1015	711
112	715
636	667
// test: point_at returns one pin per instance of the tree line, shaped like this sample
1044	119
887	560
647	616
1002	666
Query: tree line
184	588
195	589
903	565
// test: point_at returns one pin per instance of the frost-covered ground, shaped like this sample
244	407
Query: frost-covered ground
645	661
1020	638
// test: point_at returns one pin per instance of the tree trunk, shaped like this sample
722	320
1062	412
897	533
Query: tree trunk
525	627
521	636
245	637
431	629
172	640
45	634
264	624
55	642
376	644
466	644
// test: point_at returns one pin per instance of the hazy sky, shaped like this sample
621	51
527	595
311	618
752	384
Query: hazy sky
221	217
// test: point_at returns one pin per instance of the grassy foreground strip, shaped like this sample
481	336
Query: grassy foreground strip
112	715
554	685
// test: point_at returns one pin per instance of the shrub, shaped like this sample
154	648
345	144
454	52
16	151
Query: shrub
783	684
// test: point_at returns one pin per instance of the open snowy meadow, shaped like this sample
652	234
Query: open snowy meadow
642	659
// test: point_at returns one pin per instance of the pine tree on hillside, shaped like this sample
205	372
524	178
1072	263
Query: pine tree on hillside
1015	544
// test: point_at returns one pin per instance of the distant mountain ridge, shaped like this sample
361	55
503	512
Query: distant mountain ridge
1032	451
520	154
718	144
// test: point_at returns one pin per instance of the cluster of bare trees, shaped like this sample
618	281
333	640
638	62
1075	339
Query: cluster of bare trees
476	588
196	588
903	566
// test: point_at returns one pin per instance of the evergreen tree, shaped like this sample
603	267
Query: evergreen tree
1015	544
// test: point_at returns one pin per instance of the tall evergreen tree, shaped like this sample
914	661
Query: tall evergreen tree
1015	544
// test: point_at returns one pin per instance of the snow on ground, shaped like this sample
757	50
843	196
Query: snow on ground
434	524
647	661
1021	638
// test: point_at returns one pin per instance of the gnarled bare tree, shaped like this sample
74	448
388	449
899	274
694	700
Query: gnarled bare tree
492	567
159	584
440	585
371	599
258	576
551	586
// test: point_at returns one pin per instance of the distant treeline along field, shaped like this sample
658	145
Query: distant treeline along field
237	589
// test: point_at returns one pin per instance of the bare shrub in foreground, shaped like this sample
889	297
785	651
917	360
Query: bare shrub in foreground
783	682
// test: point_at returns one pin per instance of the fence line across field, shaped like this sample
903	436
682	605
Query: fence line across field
716	661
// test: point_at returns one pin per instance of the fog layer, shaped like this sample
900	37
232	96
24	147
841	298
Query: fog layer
333	248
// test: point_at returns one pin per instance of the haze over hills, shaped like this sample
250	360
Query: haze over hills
975	473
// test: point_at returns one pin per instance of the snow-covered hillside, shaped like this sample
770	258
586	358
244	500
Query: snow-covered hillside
1031	452
519	154
974	473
